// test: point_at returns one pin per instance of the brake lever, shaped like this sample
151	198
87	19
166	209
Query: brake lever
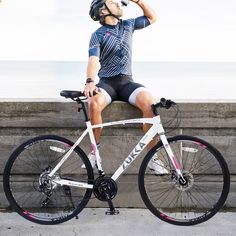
163	102
166	103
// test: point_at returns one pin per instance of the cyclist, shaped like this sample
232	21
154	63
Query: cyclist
111	48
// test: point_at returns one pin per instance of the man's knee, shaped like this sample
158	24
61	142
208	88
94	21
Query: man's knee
96	104
144	101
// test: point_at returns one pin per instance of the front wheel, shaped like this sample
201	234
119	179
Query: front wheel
204	190
33	194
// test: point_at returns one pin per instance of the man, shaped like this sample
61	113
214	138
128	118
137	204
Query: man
111	49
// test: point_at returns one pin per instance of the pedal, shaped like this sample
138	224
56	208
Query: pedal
112	212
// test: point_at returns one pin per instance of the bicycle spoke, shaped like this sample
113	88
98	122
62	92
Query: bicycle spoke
189	202
36	196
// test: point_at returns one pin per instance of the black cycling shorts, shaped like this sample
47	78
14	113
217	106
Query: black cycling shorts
120	87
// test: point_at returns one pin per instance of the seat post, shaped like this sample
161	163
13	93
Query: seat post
84	110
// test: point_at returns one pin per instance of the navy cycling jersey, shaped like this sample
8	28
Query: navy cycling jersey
113	46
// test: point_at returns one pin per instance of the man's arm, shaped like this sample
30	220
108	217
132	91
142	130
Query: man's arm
92	68
147	10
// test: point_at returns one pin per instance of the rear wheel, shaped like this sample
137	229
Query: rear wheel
29	190
200	196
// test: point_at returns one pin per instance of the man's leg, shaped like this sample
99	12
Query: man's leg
143	101
96	105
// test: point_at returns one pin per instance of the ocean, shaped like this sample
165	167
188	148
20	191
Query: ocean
182	81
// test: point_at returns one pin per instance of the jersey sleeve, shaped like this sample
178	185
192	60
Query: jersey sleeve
141	22
94	46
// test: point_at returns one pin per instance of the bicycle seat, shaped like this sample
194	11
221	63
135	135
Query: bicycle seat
71	94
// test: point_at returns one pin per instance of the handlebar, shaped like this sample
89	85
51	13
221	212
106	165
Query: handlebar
164	103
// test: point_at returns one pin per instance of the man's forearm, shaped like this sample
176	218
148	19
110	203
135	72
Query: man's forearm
147	10
92	68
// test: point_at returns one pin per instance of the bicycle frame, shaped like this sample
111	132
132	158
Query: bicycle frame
155	129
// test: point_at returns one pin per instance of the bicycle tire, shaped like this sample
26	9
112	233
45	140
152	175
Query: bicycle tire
26	170
206	188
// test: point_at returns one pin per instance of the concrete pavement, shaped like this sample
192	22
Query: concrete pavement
93	221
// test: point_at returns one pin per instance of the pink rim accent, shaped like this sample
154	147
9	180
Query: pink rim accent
167	217
94	150
28	214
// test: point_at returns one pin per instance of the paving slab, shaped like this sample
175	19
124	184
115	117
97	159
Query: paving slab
132	222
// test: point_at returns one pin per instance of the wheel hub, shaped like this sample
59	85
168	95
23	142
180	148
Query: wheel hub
46	185
184	183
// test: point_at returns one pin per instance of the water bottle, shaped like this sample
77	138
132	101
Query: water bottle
125	2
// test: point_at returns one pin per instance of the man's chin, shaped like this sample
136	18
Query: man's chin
120	15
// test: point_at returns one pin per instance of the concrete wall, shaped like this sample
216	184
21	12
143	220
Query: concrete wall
19	121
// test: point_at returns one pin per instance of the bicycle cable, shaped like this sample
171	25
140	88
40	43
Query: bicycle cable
174	121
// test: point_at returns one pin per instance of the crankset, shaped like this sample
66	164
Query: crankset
105	189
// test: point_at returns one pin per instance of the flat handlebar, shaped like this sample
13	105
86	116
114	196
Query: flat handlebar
164	103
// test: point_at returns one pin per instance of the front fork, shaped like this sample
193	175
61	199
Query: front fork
172	157
161	132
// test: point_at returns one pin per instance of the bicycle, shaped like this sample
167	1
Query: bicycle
44	182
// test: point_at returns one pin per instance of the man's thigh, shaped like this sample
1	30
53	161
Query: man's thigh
144	100
97	102
108	91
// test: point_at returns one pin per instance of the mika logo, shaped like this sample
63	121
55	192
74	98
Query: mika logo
133	155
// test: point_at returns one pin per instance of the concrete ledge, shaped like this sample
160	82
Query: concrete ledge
63	114
19	121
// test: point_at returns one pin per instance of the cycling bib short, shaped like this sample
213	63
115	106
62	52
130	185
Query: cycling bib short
121	88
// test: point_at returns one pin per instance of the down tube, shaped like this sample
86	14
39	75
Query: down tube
135	152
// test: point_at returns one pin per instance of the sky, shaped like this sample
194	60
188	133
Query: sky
59	30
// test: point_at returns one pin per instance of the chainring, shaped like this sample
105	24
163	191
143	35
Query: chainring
105	188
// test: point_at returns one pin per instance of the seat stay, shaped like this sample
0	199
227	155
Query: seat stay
66	156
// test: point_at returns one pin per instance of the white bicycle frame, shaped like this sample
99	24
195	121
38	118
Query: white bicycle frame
155	129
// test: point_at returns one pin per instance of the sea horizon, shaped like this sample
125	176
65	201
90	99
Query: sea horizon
183	81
